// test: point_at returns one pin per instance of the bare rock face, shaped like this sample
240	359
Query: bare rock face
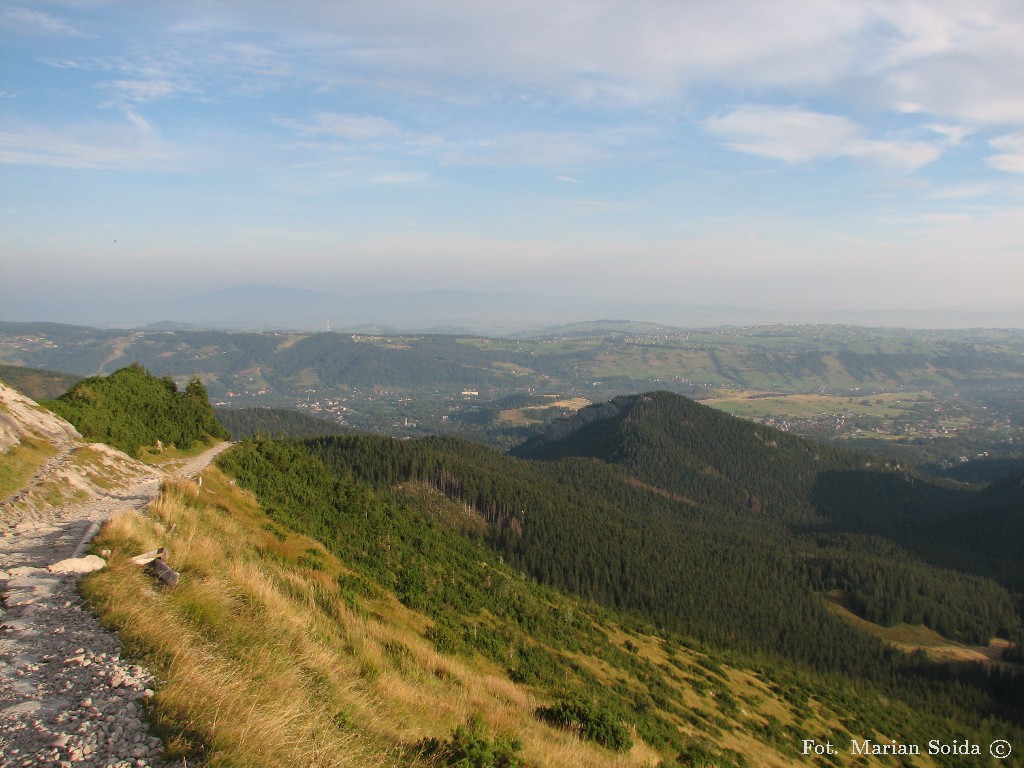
20	417
77	473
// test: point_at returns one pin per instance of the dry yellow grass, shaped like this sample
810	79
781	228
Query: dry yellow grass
910	638
533	414
20	462
264	664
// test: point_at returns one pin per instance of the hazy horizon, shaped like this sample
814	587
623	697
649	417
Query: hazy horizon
276	308
792	162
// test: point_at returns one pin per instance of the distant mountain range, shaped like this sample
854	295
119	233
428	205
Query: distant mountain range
273	307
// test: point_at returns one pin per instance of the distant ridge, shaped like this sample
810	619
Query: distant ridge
599	327
261	306
170	325
256	292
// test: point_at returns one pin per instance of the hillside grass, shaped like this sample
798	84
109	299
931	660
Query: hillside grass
270	652
19	463
267	661
534	414
918	638
751	404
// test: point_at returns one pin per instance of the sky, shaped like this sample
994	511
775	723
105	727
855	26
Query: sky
803	156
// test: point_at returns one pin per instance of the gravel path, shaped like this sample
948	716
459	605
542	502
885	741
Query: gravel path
67	698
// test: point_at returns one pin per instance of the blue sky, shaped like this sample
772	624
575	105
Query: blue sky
799	155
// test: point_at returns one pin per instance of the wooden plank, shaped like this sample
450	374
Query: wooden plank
148	557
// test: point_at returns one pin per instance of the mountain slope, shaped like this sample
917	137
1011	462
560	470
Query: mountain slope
37	383
320	621
682	447
45	464
397	537
727	464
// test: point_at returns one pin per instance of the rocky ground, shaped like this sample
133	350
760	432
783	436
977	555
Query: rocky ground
67	697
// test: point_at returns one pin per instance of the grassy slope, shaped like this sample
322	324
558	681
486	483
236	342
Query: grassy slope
269	656
19	463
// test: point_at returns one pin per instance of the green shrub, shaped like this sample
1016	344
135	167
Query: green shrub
598	724
131	408
468	747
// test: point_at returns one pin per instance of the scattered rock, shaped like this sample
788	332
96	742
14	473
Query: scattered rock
67	698
86	564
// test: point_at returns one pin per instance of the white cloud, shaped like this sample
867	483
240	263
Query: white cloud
1011	153
962	191
785	133
556	149
954	59
586	50
146	90
953	134
345	126
132	144
900	154
946	58
797	135
36	22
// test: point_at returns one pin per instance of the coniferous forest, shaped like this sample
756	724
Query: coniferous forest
699	525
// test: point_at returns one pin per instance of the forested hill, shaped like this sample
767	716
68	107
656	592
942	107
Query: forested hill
716	460
717	528
131	409
37	383
720	462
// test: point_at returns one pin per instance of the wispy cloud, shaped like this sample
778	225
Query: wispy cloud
344	126
955	60
1010	157
795	135
132	144
962	191
550	149
36	22
146	90
663	118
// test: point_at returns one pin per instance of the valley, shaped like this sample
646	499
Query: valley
937	398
